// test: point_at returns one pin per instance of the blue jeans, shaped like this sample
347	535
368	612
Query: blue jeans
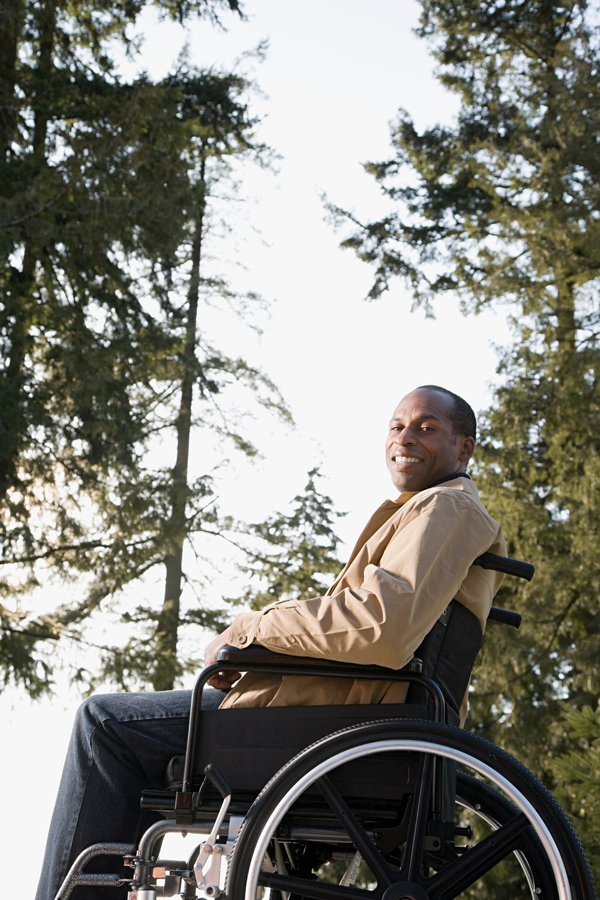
121	743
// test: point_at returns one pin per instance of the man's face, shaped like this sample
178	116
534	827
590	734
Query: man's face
421	447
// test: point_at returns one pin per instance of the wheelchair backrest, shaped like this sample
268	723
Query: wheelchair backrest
448	654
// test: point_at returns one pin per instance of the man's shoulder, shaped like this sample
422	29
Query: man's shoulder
460	493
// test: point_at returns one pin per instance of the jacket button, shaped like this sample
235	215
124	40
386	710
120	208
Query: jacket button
243	639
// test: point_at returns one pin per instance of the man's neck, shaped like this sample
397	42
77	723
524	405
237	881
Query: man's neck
451	478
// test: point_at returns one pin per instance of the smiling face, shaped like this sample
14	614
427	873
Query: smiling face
421	446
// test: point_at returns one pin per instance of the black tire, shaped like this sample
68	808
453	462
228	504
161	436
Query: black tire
530	821
477	802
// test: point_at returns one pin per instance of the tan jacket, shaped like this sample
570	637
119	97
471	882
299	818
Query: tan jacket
412	558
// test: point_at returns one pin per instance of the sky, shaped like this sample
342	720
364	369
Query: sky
334	76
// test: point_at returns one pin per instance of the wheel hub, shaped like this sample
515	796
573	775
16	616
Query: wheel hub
405	890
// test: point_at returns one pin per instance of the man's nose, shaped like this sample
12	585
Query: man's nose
404	437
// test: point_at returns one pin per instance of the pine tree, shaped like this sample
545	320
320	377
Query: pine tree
66	121
213	113
294	552
501	208
103	195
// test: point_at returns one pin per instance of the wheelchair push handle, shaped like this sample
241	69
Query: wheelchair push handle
505	617
510	567
506	565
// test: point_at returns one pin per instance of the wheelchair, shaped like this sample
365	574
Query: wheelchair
385	802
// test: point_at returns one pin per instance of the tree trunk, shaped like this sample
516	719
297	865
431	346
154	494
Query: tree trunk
166	634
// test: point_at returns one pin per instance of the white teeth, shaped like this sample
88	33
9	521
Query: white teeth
405	459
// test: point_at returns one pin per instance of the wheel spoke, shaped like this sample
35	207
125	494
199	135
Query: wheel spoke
458	876
318	890
360	838
412	863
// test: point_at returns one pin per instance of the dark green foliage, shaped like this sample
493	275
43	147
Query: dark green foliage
502	206
577	774
295	551
538	472
106	204
17	652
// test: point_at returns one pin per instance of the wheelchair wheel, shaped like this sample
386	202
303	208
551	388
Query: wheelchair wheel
523	815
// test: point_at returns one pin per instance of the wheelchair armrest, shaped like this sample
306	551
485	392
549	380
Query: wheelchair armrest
255	656
261	656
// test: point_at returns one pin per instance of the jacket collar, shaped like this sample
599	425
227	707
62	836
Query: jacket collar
457	484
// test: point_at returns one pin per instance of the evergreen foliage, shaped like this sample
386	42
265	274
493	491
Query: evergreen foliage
538	469
504	205
577	774
107	202
502	208
295	551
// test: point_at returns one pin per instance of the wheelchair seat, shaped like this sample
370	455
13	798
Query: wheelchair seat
438	678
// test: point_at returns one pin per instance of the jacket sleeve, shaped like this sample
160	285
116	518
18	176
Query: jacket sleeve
383	620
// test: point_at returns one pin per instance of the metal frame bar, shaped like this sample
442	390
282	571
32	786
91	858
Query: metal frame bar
76	878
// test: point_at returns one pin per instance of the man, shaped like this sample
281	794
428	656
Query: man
413	557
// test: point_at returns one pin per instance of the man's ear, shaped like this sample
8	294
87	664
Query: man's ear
467	448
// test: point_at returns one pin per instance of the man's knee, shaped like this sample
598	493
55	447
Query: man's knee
99	709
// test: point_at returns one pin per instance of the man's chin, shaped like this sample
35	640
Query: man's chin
409	483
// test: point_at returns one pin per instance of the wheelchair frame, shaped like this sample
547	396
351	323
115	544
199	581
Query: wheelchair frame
303	811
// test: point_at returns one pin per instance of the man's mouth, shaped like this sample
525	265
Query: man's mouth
402	460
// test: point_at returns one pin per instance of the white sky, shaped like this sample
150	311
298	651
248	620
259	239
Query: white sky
335	74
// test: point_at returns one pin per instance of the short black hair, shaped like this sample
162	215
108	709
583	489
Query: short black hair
463	417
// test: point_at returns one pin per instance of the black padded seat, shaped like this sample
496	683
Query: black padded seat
250	745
